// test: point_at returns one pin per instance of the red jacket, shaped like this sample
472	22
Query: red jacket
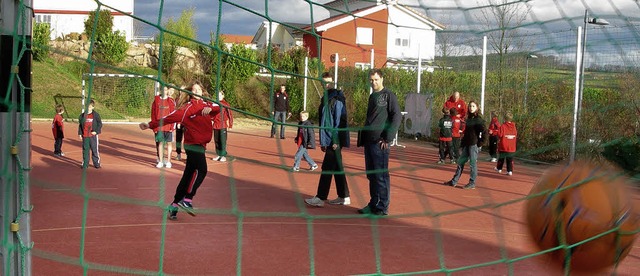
458	127
460	106
57	127
198	129
223	119
161	108
508	135
494	126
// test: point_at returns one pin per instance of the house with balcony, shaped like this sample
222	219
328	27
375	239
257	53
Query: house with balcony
68	16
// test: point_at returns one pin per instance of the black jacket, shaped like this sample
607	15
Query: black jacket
96	126
308	134
474	132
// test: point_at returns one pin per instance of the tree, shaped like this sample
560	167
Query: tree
103	26
41	38
177	33
501	19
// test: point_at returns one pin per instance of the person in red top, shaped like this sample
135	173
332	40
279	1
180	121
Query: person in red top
494	127
507	144
456	102
162	106
196	117
456	133
221	122
90	125
57	127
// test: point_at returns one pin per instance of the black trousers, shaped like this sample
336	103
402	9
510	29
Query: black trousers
332	166
194	172
57	145
90	144
179	133
445	148
220	138
493	146
505	157
455	143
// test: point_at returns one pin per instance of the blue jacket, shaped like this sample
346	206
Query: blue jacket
333	116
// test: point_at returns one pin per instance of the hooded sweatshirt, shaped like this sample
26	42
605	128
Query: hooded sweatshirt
459	105
507	135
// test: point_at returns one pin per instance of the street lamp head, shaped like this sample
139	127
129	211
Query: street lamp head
597	21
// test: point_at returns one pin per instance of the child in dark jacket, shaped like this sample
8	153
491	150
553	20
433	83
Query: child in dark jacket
305	140
89	127
445	125
507	144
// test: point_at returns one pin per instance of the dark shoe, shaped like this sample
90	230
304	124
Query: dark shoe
173	212
187	207
469	186
449	183
97	166
272	136
367	210
282	138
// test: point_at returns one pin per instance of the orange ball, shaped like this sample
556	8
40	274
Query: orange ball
588	211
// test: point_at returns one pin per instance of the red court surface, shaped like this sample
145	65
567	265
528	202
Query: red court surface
252	219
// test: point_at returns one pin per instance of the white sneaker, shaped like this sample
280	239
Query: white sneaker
159	165
315	201
167	164
217	158
496	169
340	201
222	159
314	167
509	173
494	160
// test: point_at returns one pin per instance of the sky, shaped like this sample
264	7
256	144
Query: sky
243	17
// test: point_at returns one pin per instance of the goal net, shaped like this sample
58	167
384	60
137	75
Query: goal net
124	96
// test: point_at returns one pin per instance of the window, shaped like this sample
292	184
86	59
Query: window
43	18
364	36
363	66
403	42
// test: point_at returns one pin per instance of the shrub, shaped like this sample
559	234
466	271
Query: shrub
41	38
104	24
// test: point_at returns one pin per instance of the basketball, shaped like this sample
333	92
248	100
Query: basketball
585	213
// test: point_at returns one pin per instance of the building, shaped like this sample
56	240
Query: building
397	35
231	39
68	16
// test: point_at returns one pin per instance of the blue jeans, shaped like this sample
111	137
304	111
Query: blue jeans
469	153
302	152
281	117
377	166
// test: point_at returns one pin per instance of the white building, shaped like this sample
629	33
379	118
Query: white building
68	16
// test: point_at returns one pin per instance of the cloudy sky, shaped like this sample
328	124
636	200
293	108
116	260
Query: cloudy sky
244	16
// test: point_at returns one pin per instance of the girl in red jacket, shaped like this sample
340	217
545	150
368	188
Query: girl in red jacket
221	122
196	117
57	127
507	143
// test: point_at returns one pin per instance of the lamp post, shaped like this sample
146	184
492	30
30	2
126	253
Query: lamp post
580	80
526	79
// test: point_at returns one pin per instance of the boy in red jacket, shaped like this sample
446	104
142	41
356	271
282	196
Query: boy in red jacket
162	106
494	127
57	127
221	122
196	117
507	143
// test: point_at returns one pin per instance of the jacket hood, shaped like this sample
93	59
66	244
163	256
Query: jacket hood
509	125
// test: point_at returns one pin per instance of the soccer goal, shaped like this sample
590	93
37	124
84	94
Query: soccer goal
120	96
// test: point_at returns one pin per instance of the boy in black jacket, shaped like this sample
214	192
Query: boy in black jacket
305	140
445	125
88	129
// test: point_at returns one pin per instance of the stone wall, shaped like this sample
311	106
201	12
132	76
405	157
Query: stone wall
141	55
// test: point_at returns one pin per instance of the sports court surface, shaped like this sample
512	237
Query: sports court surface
252	219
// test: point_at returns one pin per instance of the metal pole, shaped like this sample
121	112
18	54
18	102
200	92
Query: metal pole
484	73
419	68
584	51
372	55
574	129
306	70
335	72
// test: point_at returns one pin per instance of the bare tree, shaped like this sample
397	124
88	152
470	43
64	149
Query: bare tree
502	19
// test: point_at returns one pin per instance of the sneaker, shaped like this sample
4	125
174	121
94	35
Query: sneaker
367	210
453	161
469	186
295	169
178	157
62	154
167	164
314	167
440	162
222	159
494	160
217	158
173	212
509	173
315	201
340	201
159	165
497	170
97	166
449	183
187	207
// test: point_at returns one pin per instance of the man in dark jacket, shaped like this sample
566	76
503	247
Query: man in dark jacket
280	111
333	137
383	121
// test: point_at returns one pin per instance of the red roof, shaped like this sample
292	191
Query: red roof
236	39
